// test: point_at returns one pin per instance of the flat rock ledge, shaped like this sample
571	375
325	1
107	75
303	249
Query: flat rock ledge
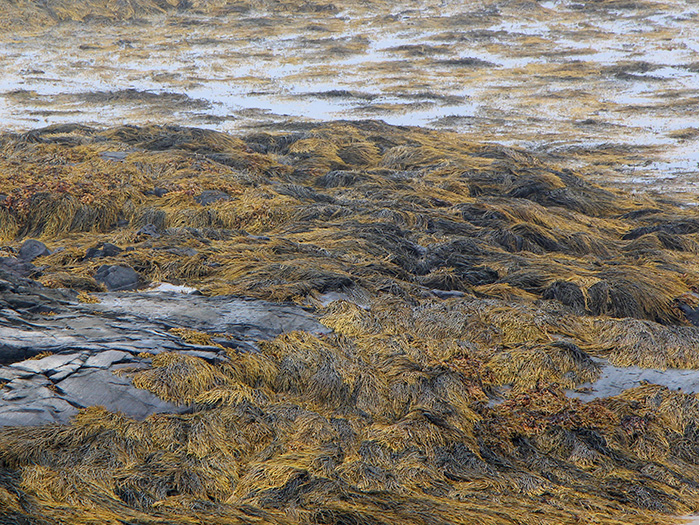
90	346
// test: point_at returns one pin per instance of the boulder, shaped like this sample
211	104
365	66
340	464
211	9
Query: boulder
117	277
31	249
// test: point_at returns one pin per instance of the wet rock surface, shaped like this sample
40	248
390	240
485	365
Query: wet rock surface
90	345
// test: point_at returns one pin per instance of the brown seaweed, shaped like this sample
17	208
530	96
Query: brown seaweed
467	286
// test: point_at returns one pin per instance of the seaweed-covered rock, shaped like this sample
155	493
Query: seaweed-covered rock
567	293
465	292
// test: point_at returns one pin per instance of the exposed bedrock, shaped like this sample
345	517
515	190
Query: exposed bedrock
90	349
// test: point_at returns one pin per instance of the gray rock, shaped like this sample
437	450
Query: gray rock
31	249
12	268
447	294
134	365
65	370
211	196
10	374
91	341
49	363
55	411
95	387
34	387
114	156
159	192
244	318
107	358
118	277
110	250
202	354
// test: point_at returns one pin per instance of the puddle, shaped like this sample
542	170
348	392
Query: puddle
613	380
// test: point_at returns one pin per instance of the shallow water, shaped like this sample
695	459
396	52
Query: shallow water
614	380
609	87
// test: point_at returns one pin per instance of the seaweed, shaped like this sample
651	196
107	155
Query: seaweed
467	286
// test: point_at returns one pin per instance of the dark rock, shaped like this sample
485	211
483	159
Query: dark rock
184	252
159	192
106	250
690	312
15	267
110	250
31	249
211	196
92	253
117	278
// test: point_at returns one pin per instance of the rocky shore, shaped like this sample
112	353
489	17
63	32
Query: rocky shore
361	324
